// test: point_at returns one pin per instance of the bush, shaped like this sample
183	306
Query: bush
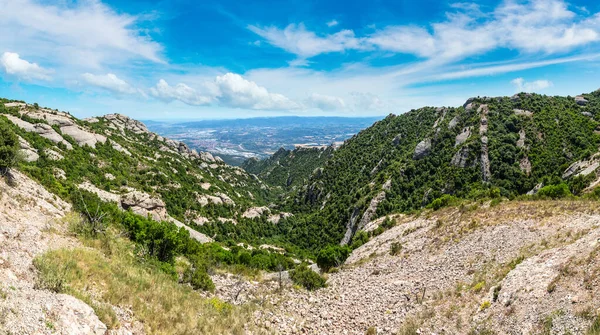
201	281
332	256
9	146
395	248
554	191
442	201
307	278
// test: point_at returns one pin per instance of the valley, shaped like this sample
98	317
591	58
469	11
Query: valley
237	140
476	219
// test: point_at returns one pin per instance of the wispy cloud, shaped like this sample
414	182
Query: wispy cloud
109	82
545	26
332	23
79	33
534	86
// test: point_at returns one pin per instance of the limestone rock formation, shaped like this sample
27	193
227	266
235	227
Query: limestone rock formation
144	204
423	149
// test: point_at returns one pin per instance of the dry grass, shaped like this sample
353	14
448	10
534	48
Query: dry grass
156	299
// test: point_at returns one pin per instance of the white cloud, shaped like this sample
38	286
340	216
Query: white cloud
109	82
332	23
228	90
325	102
14	65
305	44
181	92
235	91
83	33
534	86
545	26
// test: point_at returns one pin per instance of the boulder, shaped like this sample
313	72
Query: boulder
423	149
144	204
254	212
453	123
462	137
580	100
29	153
461	157
82	136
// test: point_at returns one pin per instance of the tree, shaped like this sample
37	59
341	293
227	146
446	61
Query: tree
9	146
331	256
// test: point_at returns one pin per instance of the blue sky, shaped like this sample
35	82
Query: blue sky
227	59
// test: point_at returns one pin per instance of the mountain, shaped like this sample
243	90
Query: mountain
487	148
476	219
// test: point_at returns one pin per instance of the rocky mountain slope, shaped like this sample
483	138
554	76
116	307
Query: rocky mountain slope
120	161
520	267
489	147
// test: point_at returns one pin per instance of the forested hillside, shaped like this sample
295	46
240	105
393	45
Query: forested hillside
487	148
288	168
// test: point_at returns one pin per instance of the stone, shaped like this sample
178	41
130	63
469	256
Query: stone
461	157
580	100
29	153
423	149
462	137
254	212
144	204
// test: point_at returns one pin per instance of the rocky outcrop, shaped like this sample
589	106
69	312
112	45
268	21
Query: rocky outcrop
53	155
535	189
453	123
354	226
275	218
423	149
580	100
461	157
124	123
523	112
254	212
144	204
102	194
42	129
522	138
462	137
525	165
485	160
583	167
29	153
82	136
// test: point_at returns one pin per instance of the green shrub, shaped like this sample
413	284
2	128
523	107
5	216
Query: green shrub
307	278
201	281
554	191
332	256
9	146
442	201
395	248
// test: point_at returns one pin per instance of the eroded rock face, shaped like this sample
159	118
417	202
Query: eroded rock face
462	137
82	136
30	154
461	157
423	149
254	212
42	129
354	226
122	123
144	204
